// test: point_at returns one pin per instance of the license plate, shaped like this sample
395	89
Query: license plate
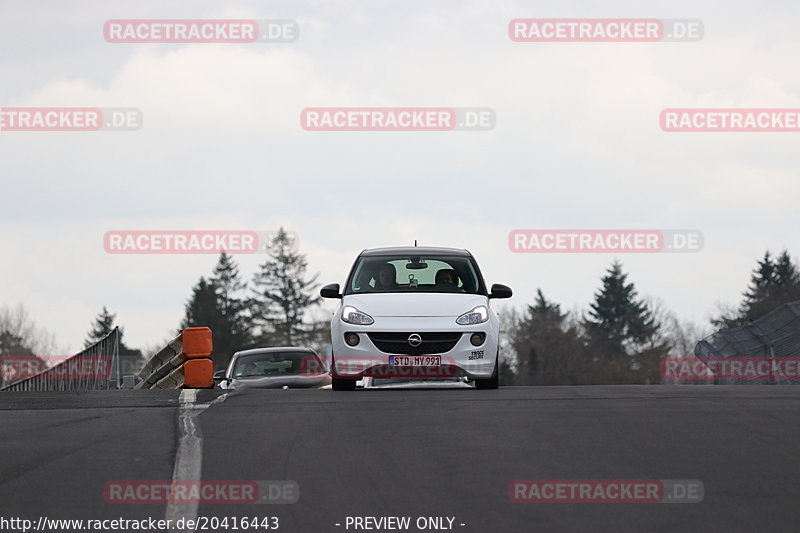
415	360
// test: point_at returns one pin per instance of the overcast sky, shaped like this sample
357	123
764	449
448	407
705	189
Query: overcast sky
577	144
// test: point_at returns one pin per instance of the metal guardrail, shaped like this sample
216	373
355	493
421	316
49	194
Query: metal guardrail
95	368
774	336
185	362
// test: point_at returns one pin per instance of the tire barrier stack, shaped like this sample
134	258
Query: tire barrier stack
184	363
95	368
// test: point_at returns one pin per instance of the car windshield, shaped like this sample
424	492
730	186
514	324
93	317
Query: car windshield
456	274
276	364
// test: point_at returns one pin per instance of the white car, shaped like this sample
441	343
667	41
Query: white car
414	312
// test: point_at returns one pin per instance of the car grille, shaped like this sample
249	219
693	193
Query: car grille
397	343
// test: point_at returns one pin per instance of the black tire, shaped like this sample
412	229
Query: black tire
339	383
343	384
489	383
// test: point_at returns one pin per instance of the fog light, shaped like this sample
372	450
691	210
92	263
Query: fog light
352	339
477	339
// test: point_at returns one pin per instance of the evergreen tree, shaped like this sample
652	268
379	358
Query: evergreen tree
234	323
618	322
130	359
547	347
202	310
773	282
228	283
283	293
786	272
103	325
771	286
762	285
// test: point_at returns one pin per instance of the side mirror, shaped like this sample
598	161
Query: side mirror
330	291
219	375
500	291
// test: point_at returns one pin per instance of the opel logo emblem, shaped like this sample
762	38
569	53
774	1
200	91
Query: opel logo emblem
414	340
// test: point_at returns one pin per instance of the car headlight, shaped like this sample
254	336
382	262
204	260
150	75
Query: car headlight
351	315
476	316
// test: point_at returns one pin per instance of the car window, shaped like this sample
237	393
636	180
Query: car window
414	274
275	364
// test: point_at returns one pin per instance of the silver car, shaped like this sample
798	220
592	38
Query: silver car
274	368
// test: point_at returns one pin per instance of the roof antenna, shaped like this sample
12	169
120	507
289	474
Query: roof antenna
415	242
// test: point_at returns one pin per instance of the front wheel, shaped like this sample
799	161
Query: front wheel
343	384
489	383
339	383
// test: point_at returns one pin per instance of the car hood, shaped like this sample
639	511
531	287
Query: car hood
277	382
414	304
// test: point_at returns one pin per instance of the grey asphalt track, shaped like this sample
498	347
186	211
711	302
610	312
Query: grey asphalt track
420	453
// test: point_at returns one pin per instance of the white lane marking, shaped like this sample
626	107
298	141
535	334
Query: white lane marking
189	456
219	399
187	396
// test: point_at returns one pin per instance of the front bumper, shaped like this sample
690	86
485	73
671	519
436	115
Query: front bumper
367	360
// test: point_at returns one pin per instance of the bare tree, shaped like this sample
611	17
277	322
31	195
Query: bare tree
23	345
15	322
680	335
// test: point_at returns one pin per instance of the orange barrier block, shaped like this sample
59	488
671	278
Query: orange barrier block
197	342
198	374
